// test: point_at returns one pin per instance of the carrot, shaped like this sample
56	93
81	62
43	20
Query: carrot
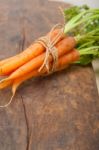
16	83
63	47
71	57
53	34
63	62
2	62
5	61
11	64
5	84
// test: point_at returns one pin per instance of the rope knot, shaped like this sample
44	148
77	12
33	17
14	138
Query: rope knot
50	49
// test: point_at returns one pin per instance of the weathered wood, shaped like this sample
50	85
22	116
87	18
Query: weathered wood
59	112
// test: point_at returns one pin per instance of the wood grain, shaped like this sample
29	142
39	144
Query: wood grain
59	112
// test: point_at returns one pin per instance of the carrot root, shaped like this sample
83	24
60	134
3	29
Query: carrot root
31	52
4	83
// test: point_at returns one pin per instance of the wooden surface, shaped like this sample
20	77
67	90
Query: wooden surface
59	112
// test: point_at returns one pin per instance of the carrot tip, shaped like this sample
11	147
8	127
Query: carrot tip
6	105
4	83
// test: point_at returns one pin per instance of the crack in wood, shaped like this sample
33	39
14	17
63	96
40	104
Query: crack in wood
23	39
27	124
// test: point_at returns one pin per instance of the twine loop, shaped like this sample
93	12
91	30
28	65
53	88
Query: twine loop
50	49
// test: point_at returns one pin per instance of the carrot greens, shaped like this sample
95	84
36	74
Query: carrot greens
83	23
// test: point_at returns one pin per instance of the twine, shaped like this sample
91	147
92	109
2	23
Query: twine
50	49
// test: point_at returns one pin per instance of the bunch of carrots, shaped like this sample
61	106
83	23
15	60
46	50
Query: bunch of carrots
78	44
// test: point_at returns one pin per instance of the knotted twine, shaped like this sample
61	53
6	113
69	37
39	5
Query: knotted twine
50	50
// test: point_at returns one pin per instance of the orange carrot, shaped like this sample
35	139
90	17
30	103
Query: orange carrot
69	58
5	84
16	83
63	47
2	62
31	52
63	62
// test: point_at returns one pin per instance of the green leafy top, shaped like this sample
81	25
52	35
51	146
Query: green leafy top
83	18
83	23
73	11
